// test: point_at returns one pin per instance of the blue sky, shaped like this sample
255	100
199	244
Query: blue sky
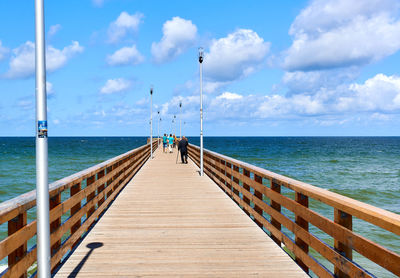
271	68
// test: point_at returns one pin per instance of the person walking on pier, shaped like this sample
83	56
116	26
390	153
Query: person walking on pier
182	147
165	142
171	142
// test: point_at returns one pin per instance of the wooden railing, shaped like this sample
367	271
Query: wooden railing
80	198
258	192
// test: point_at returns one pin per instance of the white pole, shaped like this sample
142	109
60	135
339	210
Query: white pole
201	110
42	185
151	122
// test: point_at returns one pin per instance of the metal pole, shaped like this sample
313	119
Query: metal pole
180	120
158	131
201	110
42	185
151	122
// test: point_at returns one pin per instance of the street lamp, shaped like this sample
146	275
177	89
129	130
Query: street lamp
151	122
201	57
180	120
174	124
42	184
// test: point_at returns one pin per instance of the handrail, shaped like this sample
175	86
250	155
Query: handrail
96	187
258	192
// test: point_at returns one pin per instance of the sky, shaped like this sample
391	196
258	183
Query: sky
271	68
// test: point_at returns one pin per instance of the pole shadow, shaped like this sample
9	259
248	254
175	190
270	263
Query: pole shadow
91	246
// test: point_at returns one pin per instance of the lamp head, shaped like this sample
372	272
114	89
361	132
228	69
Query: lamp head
201	55
151	90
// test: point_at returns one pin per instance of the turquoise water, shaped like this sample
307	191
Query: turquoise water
363	168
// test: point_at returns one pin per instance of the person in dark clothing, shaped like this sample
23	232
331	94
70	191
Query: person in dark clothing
182	147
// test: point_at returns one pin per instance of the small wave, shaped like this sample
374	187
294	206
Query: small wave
333	161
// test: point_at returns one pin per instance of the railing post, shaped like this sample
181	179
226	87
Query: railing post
276	206
75	189
228	174
15	225
302	200
235	180
55	201
346	220
247	188
109	169
90	197
259	195
101	187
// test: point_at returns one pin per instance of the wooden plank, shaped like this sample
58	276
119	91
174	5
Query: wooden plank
15	225
75	189
345	220
55	224
302	200
276	206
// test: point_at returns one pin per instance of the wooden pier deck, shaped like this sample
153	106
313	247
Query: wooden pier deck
170	222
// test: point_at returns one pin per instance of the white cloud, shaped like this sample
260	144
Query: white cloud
3	51
122	25
22	64
230	96
178	35
54	29
115	86
125	56
235	56
330	34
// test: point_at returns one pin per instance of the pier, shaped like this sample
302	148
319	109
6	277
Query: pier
133	216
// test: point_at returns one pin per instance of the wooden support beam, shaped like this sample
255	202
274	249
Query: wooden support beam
302	200
276	206
14	225
345	220
75	190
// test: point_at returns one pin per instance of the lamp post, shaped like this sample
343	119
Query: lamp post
42	184
201	57
174	124
158	132
151	122
180	120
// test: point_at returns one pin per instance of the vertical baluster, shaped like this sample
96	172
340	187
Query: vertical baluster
302	200
101	187
259	195
247	188
346	220
55	201
74	190
90	197
228	173
276	206
235	180
109	169
15	225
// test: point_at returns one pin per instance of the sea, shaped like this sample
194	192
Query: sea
364	168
